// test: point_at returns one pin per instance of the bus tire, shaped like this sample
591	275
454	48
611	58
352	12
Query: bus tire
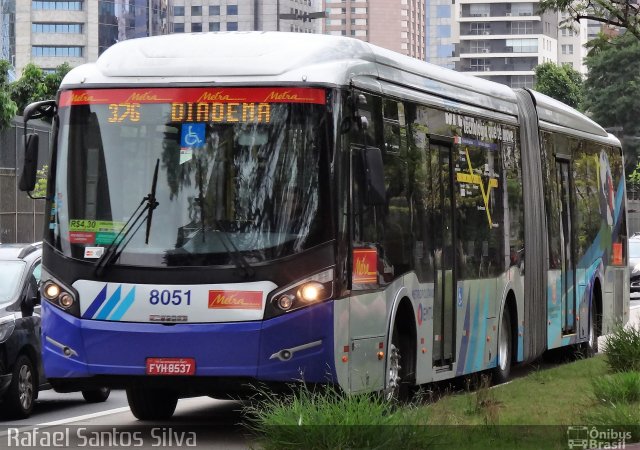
96	395
505	348
590	347
392	390
152	404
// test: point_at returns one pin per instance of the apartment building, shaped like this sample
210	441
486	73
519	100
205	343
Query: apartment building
194	16
51	32
505	41
397	25
572	38
442	32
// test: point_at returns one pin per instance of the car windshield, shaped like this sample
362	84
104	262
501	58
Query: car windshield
10	276
634	250
240	174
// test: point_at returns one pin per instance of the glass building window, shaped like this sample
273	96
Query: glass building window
196	10
178	28
522	9
214	26
214	10
522	45
60	5
445	51
479	65
480	28
56	51
521	27
196	27
443	11
232	26
567	49
479	10
443	31
232	10
479	46
75	28
522	81
178	10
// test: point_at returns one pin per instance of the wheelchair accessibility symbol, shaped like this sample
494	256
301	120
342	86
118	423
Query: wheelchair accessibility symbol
192	135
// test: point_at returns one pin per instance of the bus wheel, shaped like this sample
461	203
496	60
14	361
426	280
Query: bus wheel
392	391
591	346
152	404
96	395
505	345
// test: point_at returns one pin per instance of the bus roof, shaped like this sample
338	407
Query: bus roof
272	58
278	58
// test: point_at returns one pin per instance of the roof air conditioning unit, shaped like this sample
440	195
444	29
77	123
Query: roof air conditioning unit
486	33
487	69
507	14
485	50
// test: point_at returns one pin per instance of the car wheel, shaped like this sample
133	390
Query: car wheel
96	395
19	398
152	404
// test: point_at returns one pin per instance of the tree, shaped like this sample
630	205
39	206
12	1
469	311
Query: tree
617	13
611	90
30	87
8	108
562	82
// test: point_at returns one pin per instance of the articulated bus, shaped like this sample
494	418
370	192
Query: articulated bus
232	208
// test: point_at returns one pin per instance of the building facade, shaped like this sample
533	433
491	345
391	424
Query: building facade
48	33
194	16
397	25
504	42
442	32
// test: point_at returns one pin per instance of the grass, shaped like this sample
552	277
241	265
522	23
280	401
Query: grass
531	412
621	387
622	349
326	419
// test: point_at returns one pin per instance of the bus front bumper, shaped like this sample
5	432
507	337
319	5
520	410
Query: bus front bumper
296	346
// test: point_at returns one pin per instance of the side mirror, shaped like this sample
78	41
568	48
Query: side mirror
376	192
30	168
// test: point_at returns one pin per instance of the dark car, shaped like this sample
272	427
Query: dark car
21	372
634	265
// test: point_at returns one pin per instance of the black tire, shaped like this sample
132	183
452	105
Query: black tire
21	394
96	395
590	348
152	404
393	390
505	349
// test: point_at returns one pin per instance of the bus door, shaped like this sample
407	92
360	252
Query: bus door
567	260
442	162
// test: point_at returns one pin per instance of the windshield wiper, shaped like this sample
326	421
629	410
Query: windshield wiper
131	227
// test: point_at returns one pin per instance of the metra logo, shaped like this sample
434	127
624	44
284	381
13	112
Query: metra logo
112	309
216	97
285	96
83	98
144	97
235	300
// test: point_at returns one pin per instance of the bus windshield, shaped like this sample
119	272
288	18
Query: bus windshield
239	174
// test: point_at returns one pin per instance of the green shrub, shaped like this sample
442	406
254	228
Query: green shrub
622	387
622	349
330	420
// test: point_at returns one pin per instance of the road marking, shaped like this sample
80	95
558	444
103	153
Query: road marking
84	417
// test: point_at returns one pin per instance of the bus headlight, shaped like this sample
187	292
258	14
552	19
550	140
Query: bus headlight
311	290
59	295
51	290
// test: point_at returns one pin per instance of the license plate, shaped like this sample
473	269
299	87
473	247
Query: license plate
171	366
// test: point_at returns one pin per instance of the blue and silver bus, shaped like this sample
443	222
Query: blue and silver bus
231	208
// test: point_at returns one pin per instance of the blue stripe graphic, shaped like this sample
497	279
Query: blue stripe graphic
95	305
108	307
125	305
